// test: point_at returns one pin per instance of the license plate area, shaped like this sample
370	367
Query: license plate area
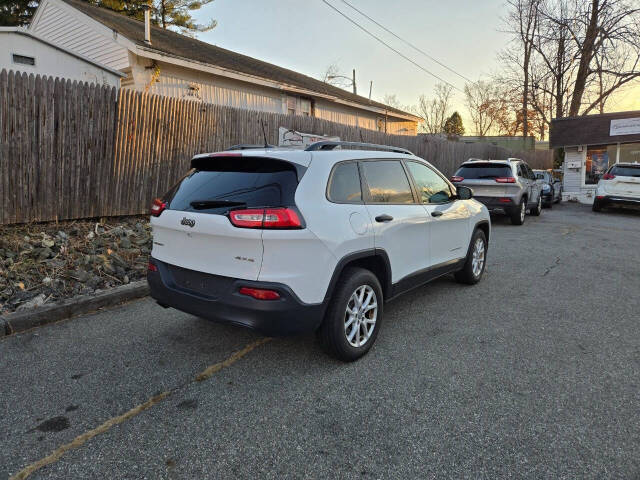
202	284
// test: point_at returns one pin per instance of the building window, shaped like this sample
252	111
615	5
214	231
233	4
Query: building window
630	153
23	60
598	160
299	106
305	107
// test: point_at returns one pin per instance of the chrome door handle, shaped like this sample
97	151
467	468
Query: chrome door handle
384	218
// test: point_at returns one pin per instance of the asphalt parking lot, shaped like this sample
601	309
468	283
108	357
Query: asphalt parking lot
533	373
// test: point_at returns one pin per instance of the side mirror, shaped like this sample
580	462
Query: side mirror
464	193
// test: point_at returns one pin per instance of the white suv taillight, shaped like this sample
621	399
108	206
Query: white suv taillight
265	218
157	207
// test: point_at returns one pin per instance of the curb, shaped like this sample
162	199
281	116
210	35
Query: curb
24	320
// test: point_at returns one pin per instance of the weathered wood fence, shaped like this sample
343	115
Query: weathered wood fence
73	150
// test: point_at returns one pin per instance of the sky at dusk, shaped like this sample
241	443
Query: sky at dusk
307	36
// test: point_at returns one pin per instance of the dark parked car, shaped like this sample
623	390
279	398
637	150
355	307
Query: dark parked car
551	188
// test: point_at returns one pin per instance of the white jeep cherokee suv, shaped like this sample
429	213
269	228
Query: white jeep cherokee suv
287	241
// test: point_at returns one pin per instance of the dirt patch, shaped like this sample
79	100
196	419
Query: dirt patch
43	263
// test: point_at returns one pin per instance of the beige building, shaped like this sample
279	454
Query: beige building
171	64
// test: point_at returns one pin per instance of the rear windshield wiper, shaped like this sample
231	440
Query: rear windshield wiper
204	204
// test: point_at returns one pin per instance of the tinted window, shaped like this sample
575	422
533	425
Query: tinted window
480	170
219	184
387	182
626	171
431	187
345	184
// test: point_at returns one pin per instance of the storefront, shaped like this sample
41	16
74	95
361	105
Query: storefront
591	144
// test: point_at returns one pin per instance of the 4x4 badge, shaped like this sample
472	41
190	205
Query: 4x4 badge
188	221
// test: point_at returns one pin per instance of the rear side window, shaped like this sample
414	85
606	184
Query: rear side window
387	182
344	186
220	184
481	170
625	171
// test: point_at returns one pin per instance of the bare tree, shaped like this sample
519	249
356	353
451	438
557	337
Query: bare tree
435	111
392	101
584	52
482	99
523	20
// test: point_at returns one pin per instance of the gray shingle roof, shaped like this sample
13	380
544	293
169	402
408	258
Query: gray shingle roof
171	43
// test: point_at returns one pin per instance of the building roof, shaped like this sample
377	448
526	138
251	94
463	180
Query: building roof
29	33
174	44
589	130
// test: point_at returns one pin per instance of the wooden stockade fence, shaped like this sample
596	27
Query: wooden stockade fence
73	150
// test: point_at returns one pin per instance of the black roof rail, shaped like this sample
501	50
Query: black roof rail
330	145
246	146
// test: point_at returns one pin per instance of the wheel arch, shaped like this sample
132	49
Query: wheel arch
485	227
375	260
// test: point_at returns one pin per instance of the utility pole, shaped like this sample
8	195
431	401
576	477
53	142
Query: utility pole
354	82
370	88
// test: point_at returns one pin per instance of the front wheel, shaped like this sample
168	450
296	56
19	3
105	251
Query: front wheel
354	316
475	264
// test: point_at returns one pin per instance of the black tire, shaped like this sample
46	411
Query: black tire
333	332
516	214
597	206
537	210
549	205
559	197
467	275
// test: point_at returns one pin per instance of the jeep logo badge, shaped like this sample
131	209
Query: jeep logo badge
190	222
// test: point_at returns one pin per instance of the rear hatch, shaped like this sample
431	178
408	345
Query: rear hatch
623	180
486	179
211	219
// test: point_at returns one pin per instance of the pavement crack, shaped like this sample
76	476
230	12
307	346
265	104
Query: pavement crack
86	436
548	270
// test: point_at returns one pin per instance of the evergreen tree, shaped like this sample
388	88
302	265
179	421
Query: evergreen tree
16	13
177	13
453	125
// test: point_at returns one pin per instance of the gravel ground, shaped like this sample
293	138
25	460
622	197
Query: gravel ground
533	373
44	263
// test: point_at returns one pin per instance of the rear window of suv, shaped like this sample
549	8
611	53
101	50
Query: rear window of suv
625	171
221	184
480	170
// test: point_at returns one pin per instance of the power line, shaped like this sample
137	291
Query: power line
389	46
407	42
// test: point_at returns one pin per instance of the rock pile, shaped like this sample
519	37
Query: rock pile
42	263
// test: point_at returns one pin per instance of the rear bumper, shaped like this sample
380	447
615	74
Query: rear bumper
223	303
505	203
617	200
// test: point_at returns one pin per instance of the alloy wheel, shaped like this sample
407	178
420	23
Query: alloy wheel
361	315
477	259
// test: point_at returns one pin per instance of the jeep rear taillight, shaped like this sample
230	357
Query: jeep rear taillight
505	180
157	207
265	218
456	179
608	176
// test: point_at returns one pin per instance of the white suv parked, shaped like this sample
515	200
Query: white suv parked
620	185
288	241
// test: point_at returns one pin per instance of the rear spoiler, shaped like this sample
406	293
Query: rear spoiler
234	161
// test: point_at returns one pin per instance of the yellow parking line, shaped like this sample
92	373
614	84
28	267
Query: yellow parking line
85	437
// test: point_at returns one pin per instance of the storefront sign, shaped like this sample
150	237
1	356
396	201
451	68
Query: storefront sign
625	126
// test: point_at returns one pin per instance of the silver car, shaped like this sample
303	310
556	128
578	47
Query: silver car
508	186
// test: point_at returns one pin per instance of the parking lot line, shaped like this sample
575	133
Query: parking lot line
86	436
